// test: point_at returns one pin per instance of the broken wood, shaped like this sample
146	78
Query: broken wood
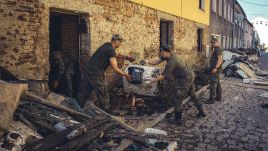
82	141
113	117
56	106
142	140
140	135
252	86
204	88
37	121
261	83
60	138
126	142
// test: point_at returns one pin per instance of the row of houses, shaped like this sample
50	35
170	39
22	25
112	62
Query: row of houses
229	22
31	29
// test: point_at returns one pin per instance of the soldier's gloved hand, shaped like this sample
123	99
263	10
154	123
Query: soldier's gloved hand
143	62
131	59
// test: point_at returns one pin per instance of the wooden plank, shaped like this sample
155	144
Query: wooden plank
247	70
113	117
261	83
204	88
56	106
59	138
37	121
80	142
252	86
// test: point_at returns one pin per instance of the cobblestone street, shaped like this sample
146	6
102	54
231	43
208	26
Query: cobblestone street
237	123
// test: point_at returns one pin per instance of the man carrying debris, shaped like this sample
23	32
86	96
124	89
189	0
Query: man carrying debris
177	80
94	79
215	71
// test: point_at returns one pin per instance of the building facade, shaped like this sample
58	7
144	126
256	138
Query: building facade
31	29
261	26
229	23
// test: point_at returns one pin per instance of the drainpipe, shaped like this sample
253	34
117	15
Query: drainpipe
233	24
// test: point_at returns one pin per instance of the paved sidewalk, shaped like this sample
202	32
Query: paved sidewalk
237	123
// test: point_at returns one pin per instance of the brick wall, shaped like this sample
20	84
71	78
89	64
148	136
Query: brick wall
24	40
69	34
23	46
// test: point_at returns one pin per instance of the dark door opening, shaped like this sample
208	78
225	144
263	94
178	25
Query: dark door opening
199	40
64	53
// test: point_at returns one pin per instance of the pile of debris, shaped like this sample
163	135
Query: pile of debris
54	122
247	67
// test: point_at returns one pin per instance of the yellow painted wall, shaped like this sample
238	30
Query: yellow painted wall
184	8
190	10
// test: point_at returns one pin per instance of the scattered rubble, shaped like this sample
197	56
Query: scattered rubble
53	122
247	67
58	123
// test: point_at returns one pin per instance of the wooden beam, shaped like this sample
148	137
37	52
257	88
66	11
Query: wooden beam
112	117
59	138
56	106
252	86
82	141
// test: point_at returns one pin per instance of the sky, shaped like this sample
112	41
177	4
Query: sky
253	11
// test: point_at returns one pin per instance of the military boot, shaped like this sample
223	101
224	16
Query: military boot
211	101
201	112
218	98
177	119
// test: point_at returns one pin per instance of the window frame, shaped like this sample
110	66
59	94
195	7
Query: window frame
202	5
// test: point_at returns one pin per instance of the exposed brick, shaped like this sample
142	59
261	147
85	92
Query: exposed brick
26	27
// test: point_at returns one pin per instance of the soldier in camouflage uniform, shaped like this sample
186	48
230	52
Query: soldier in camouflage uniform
215	71
69	75
94	78
56	72
176	82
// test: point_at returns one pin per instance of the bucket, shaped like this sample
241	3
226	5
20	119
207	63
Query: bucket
136	74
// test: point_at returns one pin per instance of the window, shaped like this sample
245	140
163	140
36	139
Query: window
214	5
232	15
229	13
227	43
223	42
220	7
199	40
224	9
202	4
166	33
260	22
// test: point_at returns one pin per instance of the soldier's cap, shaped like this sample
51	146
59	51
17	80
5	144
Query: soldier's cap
117	37
165	48
214	39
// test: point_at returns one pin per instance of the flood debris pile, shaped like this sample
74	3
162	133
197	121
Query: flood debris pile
248	66
54	122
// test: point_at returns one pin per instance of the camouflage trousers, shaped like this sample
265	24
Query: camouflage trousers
175	91
99	86
215	86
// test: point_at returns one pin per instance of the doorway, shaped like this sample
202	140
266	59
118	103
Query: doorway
64	53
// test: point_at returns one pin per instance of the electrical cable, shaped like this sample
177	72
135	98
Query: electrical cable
265	5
